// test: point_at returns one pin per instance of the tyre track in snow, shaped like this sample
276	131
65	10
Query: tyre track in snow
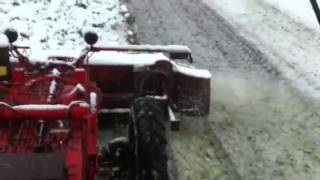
253	137
215	44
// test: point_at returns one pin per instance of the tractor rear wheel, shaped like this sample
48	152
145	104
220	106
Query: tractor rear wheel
148	134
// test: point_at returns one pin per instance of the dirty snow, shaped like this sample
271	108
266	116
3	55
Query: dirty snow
60	24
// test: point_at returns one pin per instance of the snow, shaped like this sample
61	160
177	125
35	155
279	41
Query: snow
4	42
55	28
300	10
147	47
145	59
115	110
52	89
60	24
93	101
112	58
120	58
164	97
56	72
190	71
292	47
171	115
40	107
78	87
43	56
79	102
46	106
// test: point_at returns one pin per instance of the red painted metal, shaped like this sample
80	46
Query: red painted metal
65	125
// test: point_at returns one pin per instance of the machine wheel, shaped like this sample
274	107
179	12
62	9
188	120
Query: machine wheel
148	136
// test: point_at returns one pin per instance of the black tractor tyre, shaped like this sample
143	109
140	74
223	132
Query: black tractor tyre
148	135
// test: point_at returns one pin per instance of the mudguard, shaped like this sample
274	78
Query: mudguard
193	91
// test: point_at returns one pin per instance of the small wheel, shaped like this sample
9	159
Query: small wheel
147	133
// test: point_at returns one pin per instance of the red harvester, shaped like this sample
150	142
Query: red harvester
52	102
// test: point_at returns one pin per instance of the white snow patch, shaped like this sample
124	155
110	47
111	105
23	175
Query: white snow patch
120	58
171	115
136	59
191	71
115	110
44	56
52	89
123	9
56	72
143	59
40	107
147	47
78	87
4	42
93	101
80	103
164	97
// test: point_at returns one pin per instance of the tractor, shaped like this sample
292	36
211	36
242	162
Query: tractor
53	102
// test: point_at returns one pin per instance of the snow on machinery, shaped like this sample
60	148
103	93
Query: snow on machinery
52	104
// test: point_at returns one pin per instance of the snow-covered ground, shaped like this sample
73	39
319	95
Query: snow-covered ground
60	24
293	47
269	130
300	10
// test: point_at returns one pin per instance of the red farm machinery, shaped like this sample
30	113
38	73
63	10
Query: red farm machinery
52	103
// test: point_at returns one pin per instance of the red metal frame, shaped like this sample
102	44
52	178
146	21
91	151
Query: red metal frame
21	118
